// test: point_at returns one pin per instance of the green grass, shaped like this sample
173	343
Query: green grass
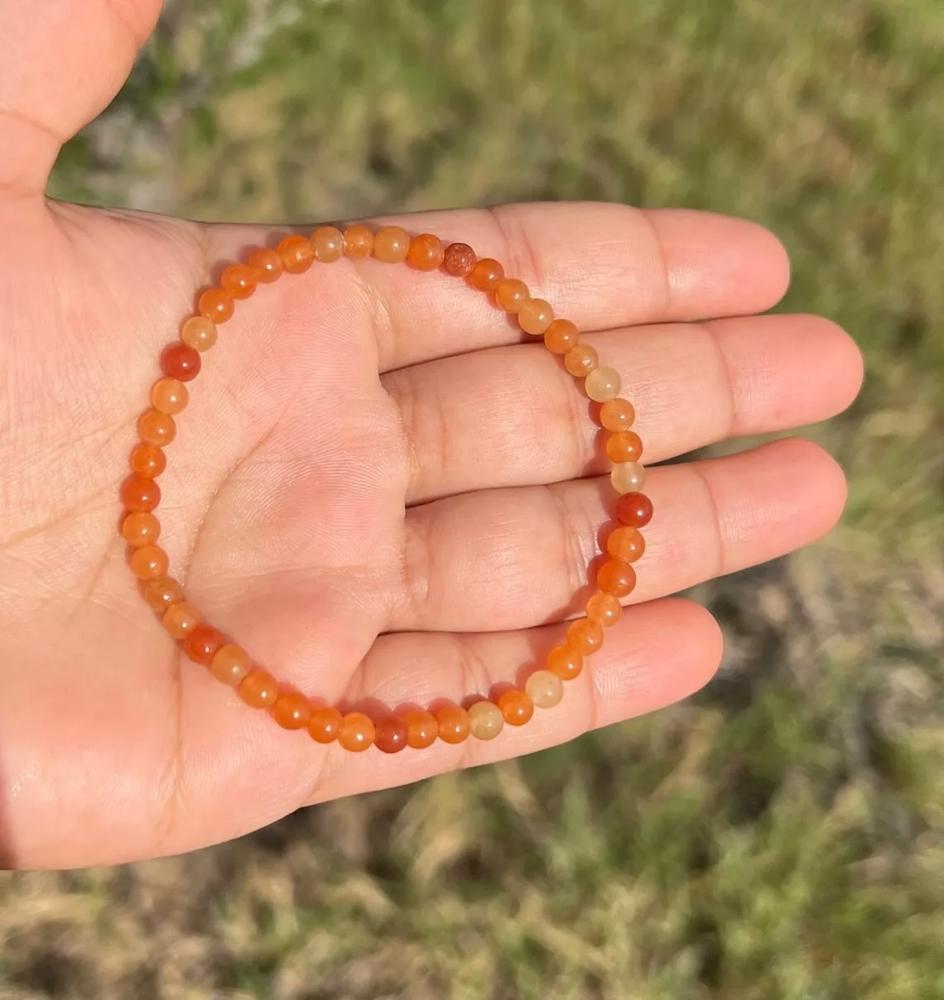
780	836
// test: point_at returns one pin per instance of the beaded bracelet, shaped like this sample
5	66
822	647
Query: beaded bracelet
229	662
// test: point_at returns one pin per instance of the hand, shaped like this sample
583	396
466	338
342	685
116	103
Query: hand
377	488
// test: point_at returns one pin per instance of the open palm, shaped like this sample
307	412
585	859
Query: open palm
377	487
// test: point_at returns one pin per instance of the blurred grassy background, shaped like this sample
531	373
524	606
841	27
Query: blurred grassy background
780	836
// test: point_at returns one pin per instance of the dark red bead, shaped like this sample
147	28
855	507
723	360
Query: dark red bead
391	734
634	509
203	642
180	361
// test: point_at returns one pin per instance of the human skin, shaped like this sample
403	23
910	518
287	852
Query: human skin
377	488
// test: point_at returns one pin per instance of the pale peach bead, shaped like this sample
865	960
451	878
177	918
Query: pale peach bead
230	664
156	428
181	619
485	720
535	316
580	360
199	333
169	396
545	688
328	243
604	609
602	384
627	477
358	241
391	244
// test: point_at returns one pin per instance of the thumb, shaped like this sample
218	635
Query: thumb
61	62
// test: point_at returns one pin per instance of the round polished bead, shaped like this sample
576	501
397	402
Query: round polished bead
291	710
617	578
625	544
627	477
623	446
180	361
266	264
565	661
516	706
584	636
391	244
203	643
511	294
259	688
617	414
453	722
544	688
535	316
426	252
156	428
216	304
604	609
634	509
358	241
160	594
390	734
421	727
458	260
561	336
324	724
181	619
486	274
149	562
198	332
230	664
356	731
139	493
297	254
140	528
239	280
169	396
328	244
485	720
602	384
147	460
580	360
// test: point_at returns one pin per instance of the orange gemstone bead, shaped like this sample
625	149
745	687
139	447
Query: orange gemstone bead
390	734
511	294
421	727
584	636
580	360
458	260
202	644
160	594
634	509
453	723
266	264
180	361
565	661
297	254
426	252
147	460
216	304
149	562
486	274
259	689
535	316
198	332
623	446
181	619
324	724
139	493
230	663
625	544
328	244
391	244
516	706
617	414
169	396
604	609
239	280
358	241
291	710
156	428
617	578
356	731
140	528
561	336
